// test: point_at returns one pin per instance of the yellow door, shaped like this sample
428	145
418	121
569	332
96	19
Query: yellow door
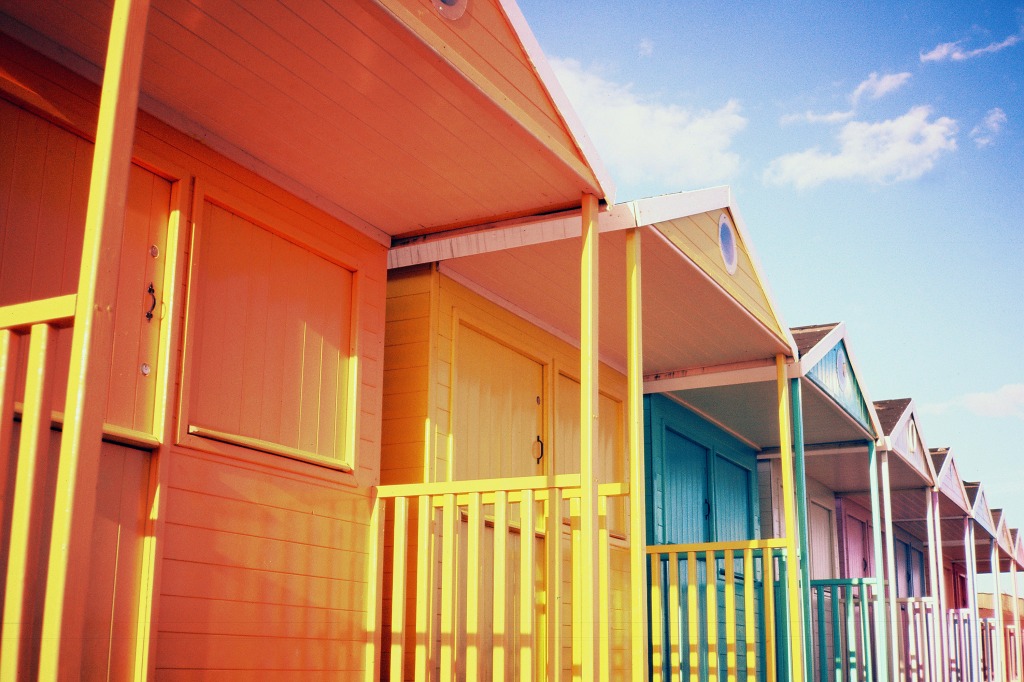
497	410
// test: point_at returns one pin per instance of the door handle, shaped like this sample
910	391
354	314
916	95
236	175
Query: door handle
707	508
541	455
152	303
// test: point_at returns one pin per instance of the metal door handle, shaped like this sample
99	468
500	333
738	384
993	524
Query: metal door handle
152	304
541	455
707	508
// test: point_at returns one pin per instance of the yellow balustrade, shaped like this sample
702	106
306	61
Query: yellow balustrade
713	613
477	591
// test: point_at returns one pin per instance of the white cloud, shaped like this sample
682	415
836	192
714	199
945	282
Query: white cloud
876	86
902	148
954	52
642	139
1005	401
811	117
646	47
984	134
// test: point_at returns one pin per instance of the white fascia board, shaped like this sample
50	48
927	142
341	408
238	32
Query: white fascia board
666	207
546	75
708	378
508	234
822	348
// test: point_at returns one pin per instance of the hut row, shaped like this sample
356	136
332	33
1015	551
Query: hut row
327	353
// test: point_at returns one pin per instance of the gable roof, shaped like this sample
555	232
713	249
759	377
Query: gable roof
890	412
808	336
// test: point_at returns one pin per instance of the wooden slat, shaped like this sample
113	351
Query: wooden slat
424	589
851	634
474	532
674	645
527	587
501	642
22	577
865	628
657	620
711	590
604	591
730	616
8	373
58	311
448	565
535	483
553	587
693	613
768	585
822	643
374	596
750	629
837	655
399	572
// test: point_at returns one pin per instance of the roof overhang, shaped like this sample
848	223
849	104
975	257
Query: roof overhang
696	320
384	113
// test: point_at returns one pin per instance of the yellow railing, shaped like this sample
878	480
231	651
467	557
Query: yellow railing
36	322
464	595
715	611
918	640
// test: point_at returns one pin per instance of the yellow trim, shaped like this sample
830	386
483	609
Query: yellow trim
554	583
693	613
789	510
474	555
268	447
500	640
768	569
604	589
424	576
58	311
112	433
748	612
448	559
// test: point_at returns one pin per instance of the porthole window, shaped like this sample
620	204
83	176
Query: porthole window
727	243
841	373
451	9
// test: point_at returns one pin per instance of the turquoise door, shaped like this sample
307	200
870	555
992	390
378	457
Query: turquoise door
701	487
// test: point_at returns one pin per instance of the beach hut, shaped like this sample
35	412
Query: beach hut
979	542
192	314
475	319
909	528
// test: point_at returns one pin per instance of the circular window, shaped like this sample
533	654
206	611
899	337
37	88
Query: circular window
727	243
844	378
451	9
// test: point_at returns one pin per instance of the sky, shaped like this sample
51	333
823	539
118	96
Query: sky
876	154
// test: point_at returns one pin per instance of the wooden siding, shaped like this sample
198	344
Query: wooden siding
697	237
260	567
834	375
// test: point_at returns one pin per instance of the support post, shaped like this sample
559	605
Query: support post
935	581
637	475
890	565
91	346
590	610
970	553
881	639
797	672
1016	619
801	517
999	646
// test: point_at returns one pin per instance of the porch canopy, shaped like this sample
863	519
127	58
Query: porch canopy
837	419
954	504
386	114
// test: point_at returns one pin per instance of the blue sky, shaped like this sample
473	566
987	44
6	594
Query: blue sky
876	153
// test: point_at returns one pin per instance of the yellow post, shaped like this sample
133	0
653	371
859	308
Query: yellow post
637	476
29	477
91	345
588	439
789	512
